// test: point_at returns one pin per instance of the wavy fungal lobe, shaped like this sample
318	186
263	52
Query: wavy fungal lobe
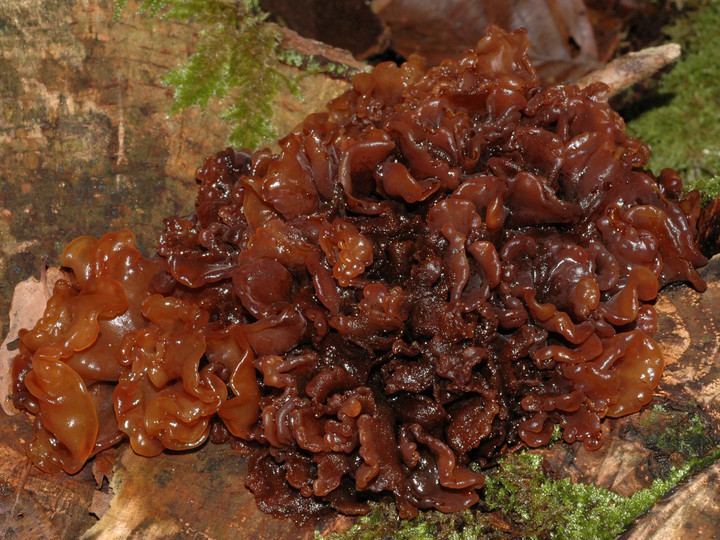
440	268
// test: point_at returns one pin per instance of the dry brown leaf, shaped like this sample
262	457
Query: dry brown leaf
350	24
563	45
190	495
100	503
27	306
102	466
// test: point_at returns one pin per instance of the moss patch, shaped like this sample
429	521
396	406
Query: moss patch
235	62
550	508
684	131
675	432
522	500
383	522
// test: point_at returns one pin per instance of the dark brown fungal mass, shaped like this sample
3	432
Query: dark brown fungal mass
441	267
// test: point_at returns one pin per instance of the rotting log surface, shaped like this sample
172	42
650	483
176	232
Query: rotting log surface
85	143
85	147
200	494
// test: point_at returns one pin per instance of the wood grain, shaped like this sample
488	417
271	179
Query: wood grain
86	145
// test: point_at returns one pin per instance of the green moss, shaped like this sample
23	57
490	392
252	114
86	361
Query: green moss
679	434
683	130
543	507
550	508
293	58
708	187
238	62
311	64
383	522
235	62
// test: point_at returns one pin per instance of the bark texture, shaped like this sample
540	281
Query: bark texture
85	142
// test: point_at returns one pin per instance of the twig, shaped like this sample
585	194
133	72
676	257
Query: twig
311	55
627	70
621	73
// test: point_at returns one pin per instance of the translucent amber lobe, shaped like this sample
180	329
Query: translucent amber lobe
67	423
444	265
73	351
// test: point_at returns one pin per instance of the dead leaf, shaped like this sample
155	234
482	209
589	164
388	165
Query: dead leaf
198	494
568	38
100	503
562	40
102	466
349	24
26	308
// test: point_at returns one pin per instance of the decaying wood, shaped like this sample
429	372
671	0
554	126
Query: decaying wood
35	505
155	498
86	147
633	67
690	513
320	54
86	144
690	324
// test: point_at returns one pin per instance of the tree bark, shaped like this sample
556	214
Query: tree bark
85	142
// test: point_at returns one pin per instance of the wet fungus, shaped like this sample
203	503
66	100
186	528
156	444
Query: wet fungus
440	268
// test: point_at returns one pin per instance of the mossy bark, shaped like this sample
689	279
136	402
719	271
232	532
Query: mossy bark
86	145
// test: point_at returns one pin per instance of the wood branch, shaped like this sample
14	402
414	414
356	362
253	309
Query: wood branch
690	513
304	53
634	67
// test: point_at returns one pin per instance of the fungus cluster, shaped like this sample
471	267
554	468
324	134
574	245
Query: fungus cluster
439	268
